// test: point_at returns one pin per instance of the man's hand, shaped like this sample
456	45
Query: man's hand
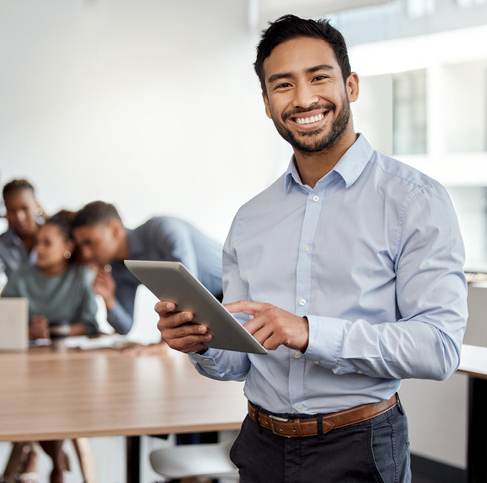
104	285
273	326
177	332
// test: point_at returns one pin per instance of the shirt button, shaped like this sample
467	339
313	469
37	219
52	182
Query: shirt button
302	302
299	407
306	248
317	362
297	355
316	198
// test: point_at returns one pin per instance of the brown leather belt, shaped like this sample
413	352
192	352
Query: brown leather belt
309	426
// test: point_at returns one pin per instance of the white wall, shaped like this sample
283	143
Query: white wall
152	105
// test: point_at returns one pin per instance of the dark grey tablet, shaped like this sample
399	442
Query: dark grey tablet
172	281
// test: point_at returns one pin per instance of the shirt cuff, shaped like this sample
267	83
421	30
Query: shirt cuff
325	340
206	359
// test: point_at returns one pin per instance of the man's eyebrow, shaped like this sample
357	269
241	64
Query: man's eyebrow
310	70
317	68
276	77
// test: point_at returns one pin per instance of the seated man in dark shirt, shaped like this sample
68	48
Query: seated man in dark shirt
106	243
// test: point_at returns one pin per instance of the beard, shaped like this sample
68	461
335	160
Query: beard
316	141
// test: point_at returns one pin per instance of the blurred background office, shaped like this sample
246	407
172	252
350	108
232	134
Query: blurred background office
153	105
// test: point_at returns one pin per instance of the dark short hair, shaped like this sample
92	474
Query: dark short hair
64	221
94	213
290	27
16	185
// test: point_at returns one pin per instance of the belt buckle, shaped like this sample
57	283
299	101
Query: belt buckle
276	418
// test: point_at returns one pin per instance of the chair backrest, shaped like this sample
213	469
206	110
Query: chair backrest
194	460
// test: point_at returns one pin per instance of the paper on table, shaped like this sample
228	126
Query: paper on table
113	341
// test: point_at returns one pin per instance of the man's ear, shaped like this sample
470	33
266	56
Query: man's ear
352	86
266	104
115	228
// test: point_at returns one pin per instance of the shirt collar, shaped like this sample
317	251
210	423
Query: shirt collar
349	167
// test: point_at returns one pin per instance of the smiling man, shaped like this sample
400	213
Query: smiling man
348	269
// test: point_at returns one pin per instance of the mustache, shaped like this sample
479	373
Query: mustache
328	106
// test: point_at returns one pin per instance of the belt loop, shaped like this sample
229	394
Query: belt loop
257	420
319	422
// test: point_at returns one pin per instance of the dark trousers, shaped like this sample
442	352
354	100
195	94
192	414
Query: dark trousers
376	450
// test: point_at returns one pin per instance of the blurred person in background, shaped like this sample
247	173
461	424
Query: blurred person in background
58	288
105	243
59	291
24	216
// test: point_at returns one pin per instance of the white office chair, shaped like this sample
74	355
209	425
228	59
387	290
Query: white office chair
195	461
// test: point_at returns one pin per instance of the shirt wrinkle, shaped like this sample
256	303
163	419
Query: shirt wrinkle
327	254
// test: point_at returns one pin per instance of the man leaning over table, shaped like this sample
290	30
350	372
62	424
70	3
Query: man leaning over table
348	269
105	243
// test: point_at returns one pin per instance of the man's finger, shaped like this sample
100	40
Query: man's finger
171	320
183	343
164	307
244	306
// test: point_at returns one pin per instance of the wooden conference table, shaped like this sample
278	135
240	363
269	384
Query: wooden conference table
63	395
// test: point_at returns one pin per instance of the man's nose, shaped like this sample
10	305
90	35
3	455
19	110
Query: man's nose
304	96
20	216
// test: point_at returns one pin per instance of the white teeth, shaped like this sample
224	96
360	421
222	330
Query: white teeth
309	120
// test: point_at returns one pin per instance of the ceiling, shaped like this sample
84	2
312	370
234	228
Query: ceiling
262	11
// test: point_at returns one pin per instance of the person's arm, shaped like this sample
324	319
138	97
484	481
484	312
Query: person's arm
39	327
11	288
191	338
212	363
172	239
120	315
120	318
86	323
431	297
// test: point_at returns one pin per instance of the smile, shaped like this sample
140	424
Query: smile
309	120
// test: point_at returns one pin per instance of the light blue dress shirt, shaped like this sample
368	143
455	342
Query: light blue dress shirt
373	257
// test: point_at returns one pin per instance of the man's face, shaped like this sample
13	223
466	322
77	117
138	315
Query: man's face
21	212
97	243
307	98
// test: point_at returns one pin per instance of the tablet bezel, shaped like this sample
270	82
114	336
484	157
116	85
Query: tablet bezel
173	281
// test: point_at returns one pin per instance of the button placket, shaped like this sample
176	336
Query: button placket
313	206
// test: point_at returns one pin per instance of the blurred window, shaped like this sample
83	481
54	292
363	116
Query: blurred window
409	112
469	3
420	8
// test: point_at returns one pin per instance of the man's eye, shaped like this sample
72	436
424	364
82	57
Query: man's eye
283	85
321	77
